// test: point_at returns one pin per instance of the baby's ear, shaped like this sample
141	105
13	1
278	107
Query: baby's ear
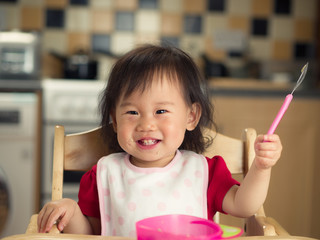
114	122
194	116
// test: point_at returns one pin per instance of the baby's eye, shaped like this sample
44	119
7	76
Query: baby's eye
132	112
161	111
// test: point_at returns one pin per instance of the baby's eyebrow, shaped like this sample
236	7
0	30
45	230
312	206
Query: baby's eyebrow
165	103
126	104
162	103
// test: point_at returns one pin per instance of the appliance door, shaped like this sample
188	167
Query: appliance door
17	162
71	179
17	159
4	200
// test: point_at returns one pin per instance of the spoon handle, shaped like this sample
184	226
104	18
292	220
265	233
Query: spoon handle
280	114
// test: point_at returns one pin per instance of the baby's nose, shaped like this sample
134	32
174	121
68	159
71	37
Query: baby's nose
146	124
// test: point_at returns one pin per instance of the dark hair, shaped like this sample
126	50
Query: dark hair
136	70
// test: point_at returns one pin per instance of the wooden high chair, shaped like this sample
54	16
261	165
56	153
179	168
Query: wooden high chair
82	150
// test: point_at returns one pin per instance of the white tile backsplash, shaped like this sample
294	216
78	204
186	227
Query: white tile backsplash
78	19
148	21
281	27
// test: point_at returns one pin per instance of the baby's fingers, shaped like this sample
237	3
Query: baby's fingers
271	138
48	218
43	219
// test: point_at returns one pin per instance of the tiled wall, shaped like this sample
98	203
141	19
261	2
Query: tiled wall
269	30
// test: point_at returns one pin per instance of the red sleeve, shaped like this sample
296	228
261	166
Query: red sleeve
219	183
88	194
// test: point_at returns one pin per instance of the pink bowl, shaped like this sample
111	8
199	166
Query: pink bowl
176	227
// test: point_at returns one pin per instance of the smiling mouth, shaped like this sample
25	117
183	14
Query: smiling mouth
148	142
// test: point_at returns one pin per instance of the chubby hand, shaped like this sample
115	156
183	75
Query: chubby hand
268	150
57	212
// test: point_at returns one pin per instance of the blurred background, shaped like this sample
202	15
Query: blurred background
235	38
55	57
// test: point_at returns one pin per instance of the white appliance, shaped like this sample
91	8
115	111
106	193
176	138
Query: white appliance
18	122
73	104
19	55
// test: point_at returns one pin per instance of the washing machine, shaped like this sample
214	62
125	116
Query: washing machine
18	124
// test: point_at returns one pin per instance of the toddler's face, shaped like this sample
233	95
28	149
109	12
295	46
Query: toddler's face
151	124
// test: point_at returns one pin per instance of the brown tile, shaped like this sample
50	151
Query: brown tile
239	7
57	3
303	29
77	41
262	8
239	23
212	52
171	6
192	6
171	24
51	67
281	50
126	4
38	3
31	18
102	21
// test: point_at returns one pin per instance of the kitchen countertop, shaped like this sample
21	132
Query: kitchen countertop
218	87
20	85
257	88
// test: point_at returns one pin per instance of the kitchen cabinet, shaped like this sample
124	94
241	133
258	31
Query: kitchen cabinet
294	192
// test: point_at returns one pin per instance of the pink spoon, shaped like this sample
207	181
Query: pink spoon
287	101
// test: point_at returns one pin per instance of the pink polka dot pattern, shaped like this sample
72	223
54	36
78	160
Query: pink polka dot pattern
132	206
111	179
106	191
131	181
133	234
116	161
176	194
198	174
108	218
132	193
174	174
160	184
162	206
146	192
121	195
188	182
120	220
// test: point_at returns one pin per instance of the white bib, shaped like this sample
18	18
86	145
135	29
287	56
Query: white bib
128	193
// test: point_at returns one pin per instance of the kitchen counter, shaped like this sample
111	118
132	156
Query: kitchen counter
218	87
257	88
20	85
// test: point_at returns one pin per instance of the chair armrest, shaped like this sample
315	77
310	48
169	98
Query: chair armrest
259	226
278	228
33	226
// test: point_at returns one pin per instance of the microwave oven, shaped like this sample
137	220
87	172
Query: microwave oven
19	55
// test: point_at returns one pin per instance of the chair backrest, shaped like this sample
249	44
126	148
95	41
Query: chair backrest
81	151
